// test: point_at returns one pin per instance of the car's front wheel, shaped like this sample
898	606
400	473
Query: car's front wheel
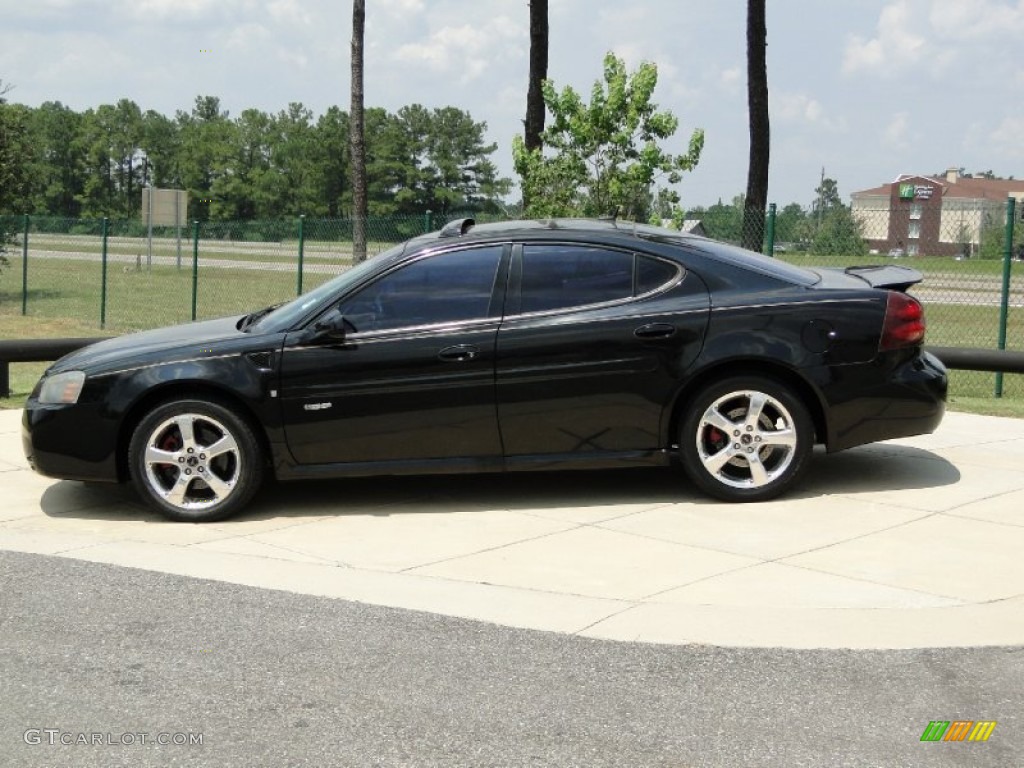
195	460
746	438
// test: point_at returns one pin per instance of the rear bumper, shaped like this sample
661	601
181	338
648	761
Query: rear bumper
911	400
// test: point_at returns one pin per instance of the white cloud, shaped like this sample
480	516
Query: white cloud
289	12
1005	138
467	50
896	44
897	132
976	19
402	8
247	37
934	34
799	108
731	76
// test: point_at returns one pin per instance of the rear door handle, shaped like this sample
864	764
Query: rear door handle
459	353
655	331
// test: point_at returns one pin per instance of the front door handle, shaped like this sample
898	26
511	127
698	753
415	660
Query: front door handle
458	354
655	331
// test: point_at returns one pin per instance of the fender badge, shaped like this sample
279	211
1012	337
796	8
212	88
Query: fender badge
316	407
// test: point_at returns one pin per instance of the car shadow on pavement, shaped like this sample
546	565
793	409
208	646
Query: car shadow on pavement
874	468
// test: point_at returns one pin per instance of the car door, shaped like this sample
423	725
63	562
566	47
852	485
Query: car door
413	377
592	349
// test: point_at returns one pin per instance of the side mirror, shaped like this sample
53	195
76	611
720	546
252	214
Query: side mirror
332	327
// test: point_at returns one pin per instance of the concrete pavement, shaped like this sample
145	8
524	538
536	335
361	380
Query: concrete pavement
907	544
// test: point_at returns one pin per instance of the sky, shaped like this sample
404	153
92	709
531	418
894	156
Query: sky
864	89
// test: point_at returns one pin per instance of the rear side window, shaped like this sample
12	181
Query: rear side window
651	274
564	276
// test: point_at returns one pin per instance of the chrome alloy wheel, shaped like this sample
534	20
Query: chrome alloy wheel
746	439
192	461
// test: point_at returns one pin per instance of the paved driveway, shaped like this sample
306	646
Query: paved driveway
907	544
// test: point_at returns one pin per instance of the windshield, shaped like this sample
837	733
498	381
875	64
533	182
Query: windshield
286	315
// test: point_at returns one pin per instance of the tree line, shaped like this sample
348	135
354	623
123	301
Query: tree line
94	163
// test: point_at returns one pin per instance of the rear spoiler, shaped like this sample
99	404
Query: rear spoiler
885	276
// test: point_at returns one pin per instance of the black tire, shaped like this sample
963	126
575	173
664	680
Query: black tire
739	459
195	485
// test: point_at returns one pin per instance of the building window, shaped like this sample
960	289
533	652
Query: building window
914	230
915	211
912	250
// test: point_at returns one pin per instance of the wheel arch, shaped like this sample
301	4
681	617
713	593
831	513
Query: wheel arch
749	367
179	390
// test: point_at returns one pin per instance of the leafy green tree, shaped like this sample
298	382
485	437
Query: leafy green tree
602	158
722	221
993	233
112	138
826	199
791	224
246	190
436	160
58	167
332	148
99	193
208	138
16	154
161	146
293	159
455	167
840	235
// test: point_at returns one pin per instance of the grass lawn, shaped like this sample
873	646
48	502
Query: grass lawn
925	264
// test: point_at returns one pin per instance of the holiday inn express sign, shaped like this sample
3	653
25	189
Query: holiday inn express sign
915	191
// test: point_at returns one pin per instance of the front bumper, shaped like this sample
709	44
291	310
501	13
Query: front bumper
70	442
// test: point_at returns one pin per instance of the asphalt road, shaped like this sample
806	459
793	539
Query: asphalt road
275	679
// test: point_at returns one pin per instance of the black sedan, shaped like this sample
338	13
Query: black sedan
515	346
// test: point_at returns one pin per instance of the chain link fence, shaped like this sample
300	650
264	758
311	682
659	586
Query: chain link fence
117	277
114	277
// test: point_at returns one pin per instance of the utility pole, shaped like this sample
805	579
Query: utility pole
821	196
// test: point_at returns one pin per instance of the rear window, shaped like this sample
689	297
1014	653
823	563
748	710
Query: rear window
738	257
749	260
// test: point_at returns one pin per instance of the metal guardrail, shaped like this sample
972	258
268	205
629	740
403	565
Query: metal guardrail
972	359
34	351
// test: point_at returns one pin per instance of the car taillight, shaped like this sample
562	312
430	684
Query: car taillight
904	322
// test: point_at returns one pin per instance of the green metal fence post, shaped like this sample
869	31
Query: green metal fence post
302	249
1004	301
103	274
769	245
24	267
428	220
195	266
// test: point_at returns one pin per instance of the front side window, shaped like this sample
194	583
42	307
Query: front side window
563	276
448	288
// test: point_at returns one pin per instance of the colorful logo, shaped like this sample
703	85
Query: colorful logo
906	191
958	730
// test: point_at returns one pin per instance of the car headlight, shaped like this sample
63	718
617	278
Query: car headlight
62	387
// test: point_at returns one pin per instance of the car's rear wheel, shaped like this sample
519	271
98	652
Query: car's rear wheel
195	460
746	438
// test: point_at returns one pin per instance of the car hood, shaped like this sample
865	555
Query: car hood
195	338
